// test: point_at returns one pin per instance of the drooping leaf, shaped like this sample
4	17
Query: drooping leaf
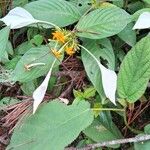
4	34
135	71
103	79
18	18
55	123
34	55
39	93
103	22
143	21
60	12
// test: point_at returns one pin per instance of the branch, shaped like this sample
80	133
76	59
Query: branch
113	142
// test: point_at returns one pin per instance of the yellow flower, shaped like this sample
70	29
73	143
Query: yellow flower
56	53
59	36
69	50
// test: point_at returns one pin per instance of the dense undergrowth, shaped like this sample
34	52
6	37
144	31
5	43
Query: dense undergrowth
74	73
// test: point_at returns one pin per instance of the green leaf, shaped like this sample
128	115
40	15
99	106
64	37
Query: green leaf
119	3
82	6
9	48
103	22
28	88
12	63
56	124
146	1
89	92
60	12
145	145
78	94
128	35
4	34
34	55
23	47
37	40
135	71
16	3
147	129
99	48
142	145
103	129
102	49
93	71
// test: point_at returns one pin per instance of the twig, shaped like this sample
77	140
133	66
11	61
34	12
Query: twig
113	142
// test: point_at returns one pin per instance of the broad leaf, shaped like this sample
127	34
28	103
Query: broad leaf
103	22
135	71
103	79
4	34
60	12
103	129
103	50
34	55
56	124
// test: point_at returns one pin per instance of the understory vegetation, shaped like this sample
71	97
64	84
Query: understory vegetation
74	74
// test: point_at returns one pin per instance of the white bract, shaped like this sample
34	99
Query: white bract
39	93
18	18
143	21
109	80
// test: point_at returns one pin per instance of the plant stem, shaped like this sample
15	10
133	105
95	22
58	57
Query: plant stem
48	23
107	109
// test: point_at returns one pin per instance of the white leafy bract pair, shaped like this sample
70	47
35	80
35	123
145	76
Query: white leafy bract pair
19	17
143	21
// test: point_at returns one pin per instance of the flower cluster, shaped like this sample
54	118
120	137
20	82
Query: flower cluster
67	42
